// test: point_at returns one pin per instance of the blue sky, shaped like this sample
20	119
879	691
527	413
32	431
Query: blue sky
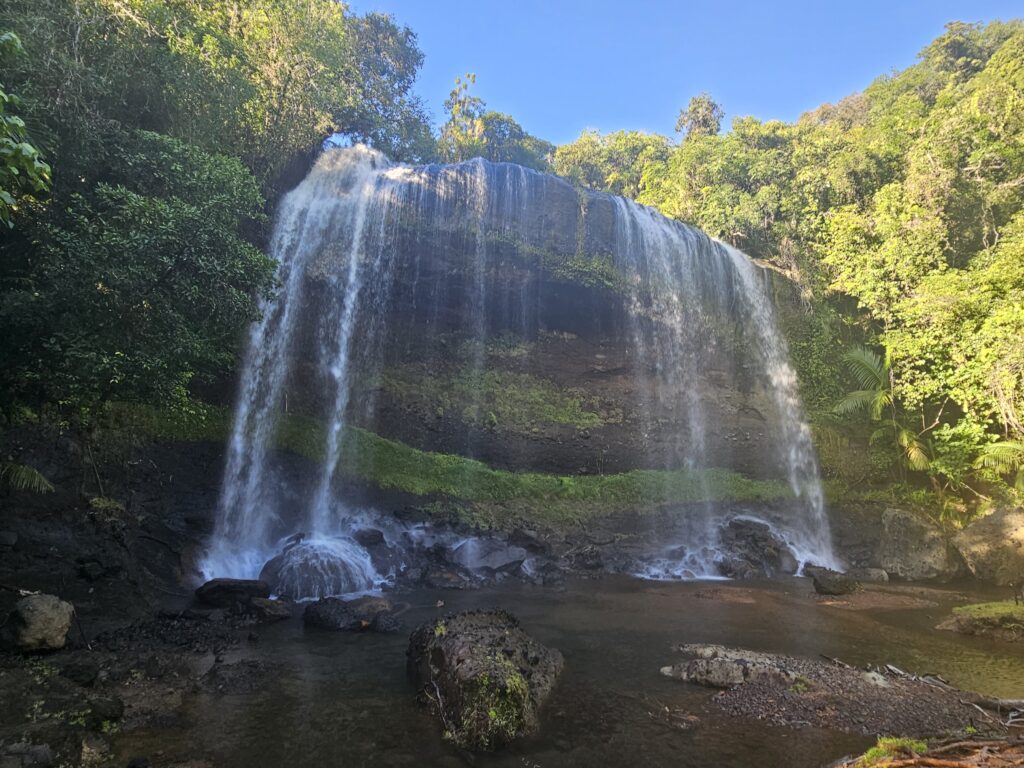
559	66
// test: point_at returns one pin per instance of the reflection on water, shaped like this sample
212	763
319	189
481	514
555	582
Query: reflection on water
344	700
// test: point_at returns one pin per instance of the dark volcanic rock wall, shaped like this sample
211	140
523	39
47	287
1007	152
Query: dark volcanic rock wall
517	328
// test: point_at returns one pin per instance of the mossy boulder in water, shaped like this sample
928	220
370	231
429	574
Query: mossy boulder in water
485	678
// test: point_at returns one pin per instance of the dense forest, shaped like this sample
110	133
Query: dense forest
145	143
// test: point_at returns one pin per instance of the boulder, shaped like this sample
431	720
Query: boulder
717	666
369	537
870	575
8	539
913	548
754	551
364	613
267	611
38	623
993	547
484	676
828	582
489	554
231	593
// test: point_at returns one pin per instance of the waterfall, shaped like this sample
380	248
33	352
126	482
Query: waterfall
473	252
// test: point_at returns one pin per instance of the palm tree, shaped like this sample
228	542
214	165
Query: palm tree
874	375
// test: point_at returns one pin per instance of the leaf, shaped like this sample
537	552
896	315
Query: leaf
867	367
21	477
1004	457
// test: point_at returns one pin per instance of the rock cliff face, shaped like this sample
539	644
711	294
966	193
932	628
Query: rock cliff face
482	333
518	324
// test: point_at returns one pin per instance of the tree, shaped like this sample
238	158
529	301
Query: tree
462	135
472	131
623	163
702	117
133	292
22	170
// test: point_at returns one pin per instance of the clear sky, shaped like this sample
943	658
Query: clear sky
559	66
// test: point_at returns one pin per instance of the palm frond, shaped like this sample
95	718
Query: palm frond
859	400
881	401
913	449
867	367
22	477
1004	456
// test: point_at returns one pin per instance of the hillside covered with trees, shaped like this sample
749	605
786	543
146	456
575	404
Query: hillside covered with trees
154	137
899	211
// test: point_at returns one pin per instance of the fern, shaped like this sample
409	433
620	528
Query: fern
22	477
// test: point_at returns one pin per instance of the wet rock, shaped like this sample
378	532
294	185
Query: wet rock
330	613
913	548
8	539
104	710
440	577
83	672
828	582
993	547
267	611
319	567
91	570
586	559
485	677
23	754
385	623
754	551
528	540
364	613
231	593
717	666
37	623
369	537
870	575
489	554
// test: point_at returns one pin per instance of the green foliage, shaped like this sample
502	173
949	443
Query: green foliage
22	477
702	117
1002	612
22	171
472	131
623	163
168	124
495	707
900	208
133	293
466	489
874	375
892	748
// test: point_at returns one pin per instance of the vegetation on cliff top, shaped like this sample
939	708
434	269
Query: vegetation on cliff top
170	128
900	212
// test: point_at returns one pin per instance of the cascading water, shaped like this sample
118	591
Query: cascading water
465	254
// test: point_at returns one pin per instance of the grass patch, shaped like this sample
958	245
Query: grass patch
1001	612
470	491
892	748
